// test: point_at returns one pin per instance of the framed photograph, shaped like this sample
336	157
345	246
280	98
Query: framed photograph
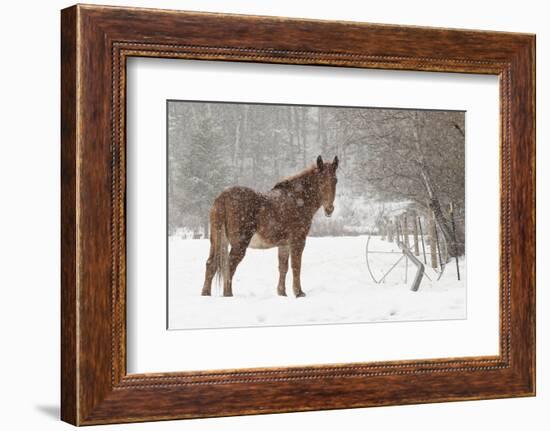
245	177
264	214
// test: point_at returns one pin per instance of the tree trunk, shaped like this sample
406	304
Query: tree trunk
323	131
389	230
304	137
455	249
297	133
275	157
236	149
434	202
244	134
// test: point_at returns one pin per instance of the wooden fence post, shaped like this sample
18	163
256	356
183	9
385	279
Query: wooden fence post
433	242
406	230
422	238
415	235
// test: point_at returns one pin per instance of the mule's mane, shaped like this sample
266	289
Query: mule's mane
293	179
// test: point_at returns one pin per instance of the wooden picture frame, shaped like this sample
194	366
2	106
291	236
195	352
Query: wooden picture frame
95	43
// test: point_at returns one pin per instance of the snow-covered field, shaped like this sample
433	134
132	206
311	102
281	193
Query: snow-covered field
334	277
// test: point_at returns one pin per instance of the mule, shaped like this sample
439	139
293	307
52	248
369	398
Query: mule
243	218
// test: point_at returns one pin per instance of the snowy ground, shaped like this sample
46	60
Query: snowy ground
334	278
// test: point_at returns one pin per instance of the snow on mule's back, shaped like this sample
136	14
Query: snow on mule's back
334	278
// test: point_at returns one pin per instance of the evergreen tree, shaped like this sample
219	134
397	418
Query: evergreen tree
204	172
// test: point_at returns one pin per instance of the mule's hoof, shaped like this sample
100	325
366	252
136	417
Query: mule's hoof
300	295
203	293
228	294
283	293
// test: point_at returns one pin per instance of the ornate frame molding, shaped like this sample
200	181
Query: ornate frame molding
96	41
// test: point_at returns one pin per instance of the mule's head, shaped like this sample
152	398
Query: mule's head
327	183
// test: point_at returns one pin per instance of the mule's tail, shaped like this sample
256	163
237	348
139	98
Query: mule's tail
222	244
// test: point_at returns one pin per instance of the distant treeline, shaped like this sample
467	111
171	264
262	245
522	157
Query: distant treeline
387	156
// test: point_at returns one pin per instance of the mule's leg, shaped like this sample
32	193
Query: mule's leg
296	249
211	267
235	256
283	269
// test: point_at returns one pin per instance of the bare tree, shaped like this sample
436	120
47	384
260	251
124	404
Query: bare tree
412	155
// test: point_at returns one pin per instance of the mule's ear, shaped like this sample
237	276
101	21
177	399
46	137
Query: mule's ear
320	163
335	163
